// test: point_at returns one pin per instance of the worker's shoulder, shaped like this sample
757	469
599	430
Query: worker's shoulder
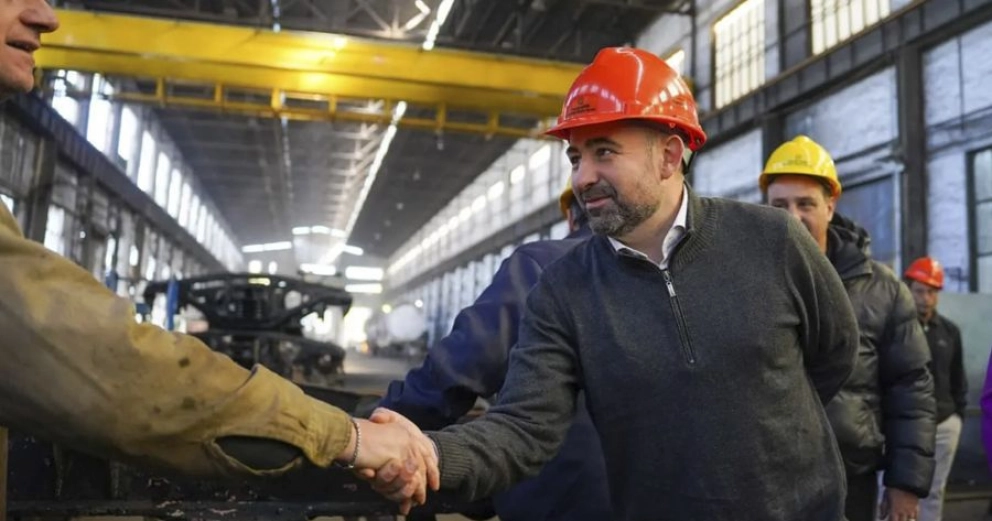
736	217
548	251
886	281
949	324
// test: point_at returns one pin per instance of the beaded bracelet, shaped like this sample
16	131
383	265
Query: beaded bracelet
358	443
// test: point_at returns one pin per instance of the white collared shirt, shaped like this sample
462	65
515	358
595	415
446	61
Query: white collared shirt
672	238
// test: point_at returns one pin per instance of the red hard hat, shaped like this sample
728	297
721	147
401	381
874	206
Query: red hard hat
624	83
926	270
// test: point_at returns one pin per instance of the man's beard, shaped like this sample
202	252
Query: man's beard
618	219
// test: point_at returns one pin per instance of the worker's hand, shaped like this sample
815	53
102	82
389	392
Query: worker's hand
392	449
393	480
898	505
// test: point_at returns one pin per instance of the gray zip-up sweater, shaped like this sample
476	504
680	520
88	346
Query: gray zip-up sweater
705	381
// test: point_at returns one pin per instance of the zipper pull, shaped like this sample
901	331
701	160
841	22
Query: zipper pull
668	283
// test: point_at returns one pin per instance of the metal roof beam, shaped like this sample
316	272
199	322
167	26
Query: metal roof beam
333	67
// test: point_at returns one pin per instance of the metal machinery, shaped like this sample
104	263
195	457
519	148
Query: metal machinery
253	319
256	319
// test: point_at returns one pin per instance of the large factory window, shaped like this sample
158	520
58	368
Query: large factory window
871	205
146	164
127	143
739	51
676	60
18	149
99	121
55	231
834	21
981	221
184	206
162	170
67	106
195	216
175	191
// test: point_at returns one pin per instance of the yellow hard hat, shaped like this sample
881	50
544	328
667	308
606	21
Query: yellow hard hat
801	156
566	198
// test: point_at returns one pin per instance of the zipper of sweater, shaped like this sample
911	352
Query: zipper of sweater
679	319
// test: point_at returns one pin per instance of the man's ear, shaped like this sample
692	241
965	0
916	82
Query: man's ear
672	152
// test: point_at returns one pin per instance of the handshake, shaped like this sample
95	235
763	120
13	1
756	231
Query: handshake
395	457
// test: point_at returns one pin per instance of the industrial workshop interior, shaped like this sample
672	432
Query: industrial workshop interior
355	202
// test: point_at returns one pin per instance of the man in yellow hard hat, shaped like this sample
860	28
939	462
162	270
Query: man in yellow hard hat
471	362
883	417
76	369
705	333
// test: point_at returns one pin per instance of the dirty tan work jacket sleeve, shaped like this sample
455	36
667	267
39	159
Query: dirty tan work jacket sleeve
76	368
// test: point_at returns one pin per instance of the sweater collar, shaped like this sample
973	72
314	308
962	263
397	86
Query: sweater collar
699	230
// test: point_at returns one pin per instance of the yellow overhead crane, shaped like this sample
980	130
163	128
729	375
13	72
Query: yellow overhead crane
306	76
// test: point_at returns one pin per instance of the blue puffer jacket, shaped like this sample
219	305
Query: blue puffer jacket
471	362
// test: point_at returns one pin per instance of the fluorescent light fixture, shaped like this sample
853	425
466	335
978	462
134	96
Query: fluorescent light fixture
370	289
442	15
363	273
271	246
380	155
319	269
319	230
354	250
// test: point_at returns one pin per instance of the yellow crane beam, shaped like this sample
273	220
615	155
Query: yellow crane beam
313	64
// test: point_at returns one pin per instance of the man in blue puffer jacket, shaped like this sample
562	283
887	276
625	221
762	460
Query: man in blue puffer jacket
471	362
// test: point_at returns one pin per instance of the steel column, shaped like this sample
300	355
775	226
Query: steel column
912	144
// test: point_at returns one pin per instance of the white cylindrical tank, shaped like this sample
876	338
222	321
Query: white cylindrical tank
405	323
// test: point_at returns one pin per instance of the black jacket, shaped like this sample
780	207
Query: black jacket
947	367
884	416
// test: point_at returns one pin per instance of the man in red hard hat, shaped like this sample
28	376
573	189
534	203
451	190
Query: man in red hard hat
925	277
706	333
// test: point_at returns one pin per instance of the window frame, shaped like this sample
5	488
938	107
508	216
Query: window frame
972	209
715	83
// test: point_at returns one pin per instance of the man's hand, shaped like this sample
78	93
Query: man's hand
391	480
898	505
395	451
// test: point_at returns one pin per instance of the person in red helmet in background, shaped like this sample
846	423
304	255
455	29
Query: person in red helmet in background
705	333
925	277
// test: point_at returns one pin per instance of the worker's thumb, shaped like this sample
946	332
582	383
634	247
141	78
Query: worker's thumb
383	415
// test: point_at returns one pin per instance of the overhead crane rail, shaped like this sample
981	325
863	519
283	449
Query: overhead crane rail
306	76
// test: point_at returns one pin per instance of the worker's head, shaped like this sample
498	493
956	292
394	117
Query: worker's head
800	177
22	23
572	210
630	122
925	277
